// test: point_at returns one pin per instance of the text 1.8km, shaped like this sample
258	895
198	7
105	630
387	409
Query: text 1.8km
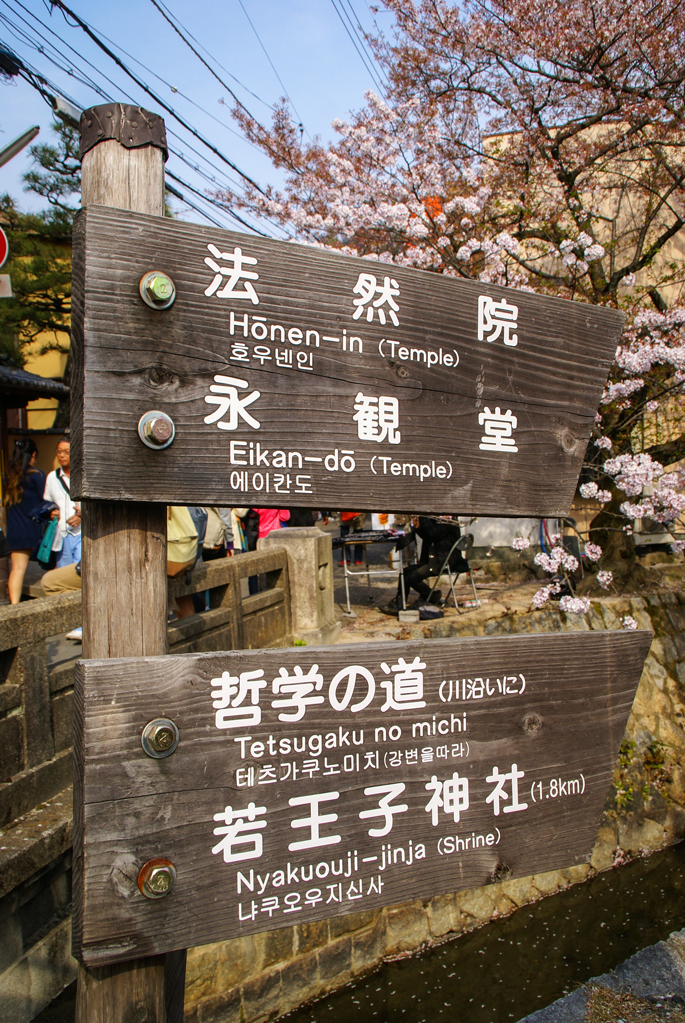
556	787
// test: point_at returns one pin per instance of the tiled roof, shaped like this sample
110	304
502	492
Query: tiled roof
18	381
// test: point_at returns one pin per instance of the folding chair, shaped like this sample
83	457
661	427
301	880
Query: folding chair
464	545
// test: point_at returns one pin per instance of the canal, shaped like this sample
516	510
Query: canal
511	967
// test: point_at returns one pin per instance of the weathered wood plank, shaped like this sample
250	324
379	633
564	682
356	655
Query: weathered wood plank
553	705
307	447
125	991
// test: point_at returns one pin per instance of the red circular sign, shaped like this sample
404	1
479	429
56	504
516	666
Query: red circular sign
4	247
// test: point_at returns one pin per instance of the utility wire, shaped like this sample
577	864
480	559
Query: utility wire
272	64
33	78
92	84
90	64
37	81
217	62
108	98
188	202
210	179
215	202
201	58
173	88
24	37
364	61
98	42
361	36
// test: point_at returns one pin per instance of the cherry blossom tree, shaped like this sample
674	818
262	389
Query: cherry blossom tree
538	145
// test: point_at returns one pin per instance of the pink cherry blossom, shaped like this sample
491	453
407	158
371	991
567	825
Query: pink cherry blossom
575	605
520	543
593	551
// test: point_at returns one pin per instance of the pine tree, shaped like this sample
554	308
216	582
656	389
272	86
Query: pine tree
40	251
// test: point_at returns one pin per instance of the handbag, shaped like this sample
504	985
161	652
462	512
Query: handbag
44	552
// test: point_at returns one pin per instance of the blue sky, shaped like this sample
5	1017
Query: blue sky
305	40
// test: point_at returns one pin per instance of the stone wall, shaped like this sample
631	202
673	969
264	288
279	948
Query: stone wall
254	979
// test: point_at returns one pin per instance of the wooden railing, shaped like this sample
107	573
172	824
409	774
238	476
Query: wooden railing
36	698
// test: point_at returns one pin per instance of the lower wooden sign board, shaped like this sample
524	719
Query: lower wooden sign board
310	783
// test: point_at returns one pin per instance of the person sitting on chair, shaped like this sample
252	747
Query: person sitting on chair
438	539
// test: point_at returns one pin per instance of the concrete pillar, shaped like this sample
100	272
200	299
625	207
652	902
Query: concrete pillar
310	570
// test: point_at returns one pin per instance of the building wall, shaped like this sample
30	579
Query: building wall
40	414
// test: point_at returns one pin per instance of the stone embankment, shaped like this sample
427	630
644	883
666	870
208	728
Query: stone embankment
254	979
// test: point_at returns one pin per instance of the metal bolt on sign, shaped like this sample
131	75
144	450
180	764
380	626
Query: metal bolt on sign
156	430
160	738
157	878
157	290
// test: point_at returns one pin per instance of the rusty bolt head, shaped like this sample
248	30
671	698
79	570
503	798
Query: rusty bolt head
157	290
156	878
159	429
160	738
156	430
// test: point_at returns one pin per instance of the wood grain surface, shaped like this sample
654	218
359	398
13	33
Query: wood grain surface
123	570
309	360
562	730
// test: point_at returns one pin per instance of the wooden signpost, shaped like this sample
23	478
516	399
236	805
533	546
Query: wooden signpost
228	793
296	376
306	784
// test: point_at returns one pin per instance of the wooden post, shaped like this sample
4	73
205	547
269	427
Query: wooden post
124	546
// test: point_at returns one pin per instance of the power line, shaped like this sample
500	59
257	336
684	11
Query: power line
210	178
364	61
187	202
23	36
90	83
217	62
173	88
271	63
200	57
215	202
98	42
39	82
361	36
30	74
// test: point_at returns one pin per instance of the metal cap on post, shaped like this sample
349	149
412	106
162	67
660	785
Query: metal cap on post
120	158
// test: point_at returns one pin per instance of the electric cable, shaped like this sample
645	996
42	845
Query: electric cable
212	180
216	203
197	209
90	83
217	62
90	64
201	58
374	78
272	65
361	36
29	74
23	37
141	85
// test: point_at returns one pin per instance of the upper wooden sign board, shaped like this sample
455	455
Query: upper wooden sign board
309	783
297	376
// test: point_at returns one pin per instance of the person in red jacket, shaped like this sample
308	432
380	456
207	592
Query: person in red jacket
352	522
271	518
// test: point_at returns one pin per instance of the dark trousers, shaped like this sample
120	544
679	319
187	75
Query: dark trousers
346	551
414	576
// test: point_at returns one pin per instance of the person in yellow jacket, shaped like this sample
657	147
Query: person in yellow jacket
181	551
